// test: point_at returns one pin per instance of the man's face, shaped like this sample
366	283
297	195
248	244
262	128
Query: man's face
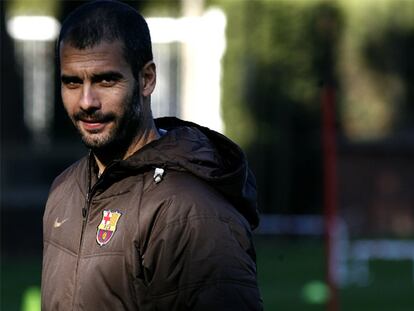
100	94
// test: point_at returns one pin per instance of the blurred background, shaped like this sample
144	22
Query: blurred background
320	95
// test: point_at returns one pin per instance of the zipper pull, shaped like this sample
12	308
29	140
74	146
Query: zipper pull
159	172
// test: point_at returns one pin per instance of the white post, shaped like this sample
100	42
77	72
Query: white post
199	80
33	35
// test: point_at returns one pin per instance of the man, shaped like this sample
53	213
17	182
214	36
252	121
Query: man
159	215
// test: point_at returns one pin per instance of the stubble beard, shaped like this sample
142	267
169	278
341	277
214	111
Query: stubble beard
121	135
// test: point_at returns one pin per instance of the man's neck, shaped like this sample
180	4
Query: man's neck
142	138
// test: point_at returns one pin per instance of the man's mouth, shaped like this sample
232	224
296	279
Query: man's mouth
92	125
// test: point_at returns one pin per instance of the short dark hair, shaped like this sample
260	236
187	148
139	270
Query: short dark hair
108	20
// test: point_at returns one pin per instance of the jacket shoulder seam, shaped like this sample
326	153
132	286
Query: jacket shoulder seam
60	247
185	220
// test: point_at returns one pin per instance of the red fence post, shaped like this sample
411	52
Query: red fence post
330	190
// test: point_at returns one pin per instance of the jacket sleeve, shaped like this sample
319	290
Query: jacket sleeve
202	261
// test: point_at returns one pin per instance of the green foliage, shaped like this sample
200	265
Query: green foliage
377	69
32	7
277	54
159	8
269	66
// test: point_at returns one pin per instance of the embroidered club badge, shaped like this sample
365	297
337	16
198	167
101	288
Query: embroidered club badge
107	227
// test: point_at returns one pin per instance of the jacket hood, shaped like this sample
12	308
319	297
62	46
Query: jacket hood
208	155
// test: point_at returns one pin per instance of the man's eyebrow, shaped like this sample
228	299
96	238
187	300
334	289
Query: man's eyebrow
107	75
69	78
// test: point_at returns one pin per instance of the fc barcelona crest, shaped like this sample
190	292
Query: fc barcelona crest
107	227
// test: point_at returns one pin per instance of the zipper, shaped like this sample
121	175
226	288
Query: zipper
85	216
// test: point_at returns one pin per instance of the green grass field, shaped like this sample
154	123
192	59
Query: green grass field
290	272
288	267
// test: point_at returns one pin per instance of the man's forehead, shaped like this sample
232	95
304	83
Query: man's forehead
72	47
103	51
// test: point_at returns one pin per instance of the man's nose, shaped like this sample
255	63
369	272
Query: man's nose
89	99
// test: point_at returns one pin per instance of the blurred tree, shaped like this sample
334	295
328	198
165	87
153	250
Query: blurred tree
32	7
277	54
376	66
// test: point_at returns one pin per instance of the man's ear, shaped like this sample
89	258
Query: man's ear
148	78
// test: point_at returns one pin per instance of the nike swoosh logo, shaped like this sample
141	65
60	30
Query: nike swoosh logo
58	223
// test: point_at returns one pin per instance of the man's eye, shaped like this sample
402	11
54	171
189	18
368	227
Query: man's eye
71	84
107	82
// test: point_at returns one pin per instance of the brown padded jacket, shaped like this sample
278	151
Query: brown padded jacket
179	239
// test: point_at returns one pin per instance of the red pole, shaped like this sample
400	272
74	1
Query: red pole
330	190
